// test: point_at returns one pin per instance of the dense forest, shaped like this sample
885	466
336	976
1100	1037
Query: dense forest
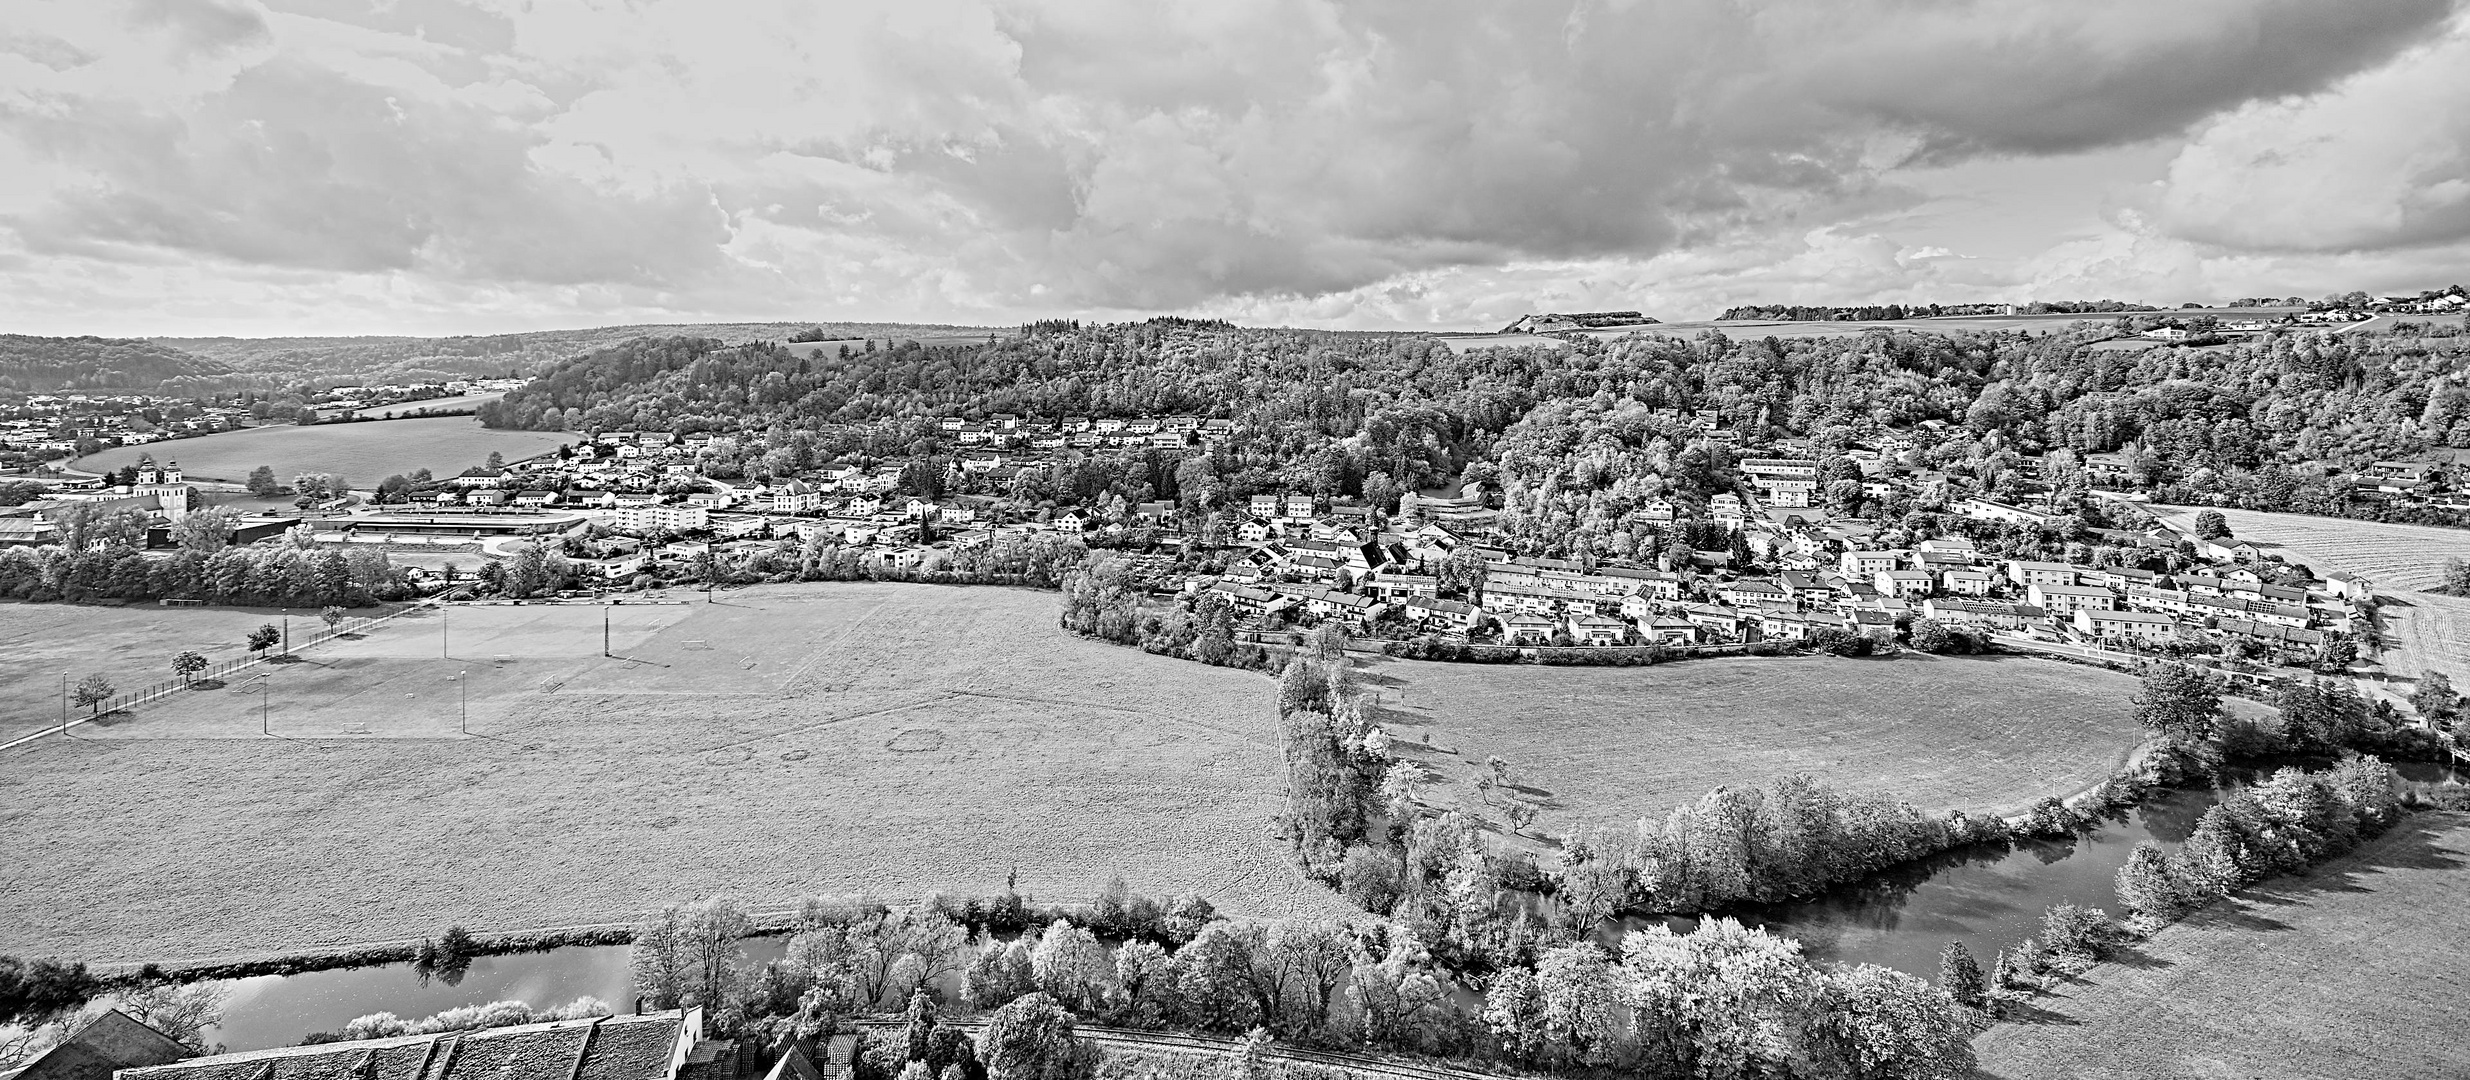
51	365
1580	436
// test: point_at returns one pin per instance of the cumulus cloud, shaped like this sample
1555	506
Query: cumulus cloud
2380	161
935	158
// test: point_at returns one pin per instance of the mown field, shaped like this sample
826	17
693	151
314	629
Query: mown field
889	738
361	453
130	646
896	739
2424	630
2359	970
462	403
1609	745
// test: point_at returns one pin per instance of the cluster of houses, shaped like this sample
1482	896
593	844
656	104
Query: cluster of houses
1008	431
1391	579
47	427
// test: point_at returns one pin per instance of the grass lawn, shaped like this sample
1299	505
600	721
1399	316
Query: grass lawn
361	453
792	739
2423	630
131	646
1609	745
2358	970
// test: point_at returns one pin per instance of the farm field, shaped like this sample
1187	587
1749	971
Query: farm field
361	453
2425	630
132	646
2359	969
1610	745
459	404
788	740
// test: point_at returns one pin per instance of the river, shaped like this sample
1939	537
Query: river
1990	897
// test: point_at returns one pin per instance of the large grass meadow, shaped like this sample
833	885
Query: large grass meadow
362	453
896	739
1606	746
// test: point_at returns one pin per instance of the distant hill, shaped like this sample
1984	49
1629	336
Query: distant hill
1900	312
1554	322
327	360
50	365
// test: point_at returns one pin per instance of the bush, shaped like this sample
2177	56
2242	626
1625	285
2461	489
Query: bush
1372	878
2076	937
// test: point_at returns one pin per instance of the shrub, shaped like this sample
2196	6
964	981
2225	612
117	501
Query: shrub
2075	937
1372	878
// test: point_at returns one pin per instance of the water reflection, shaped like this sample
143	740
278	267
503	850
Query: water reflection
1988	896
280	1010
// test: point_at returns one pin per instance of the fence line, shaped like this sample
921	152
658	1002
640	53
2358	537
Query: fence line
216	670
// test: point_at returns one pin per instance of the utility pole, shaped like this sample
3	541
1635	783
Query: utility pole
64	703
287	631
442	609
465	677
604	629
265	701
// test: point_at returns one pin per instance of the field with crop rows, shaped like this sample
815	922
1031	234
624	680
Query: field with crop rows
2359	969
361	453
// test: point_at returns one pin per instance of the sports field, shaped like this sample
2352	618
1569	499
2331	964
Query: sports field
792	739
361	453
2358	970
2424	630
1609	745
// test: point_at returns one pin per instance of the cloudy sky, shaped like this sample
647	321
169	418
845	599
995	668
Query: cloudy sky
448	166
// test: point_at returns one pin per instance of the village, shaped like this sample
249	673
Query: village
1767	565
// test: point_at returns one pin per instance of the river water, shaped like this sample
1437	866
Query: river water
1990	897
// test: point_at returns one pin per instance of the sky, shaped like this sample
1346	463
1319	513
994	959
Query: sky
295	167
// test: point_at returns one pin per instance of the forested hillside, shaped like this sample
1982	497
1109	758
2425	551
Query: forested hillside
1580	437
291	360
42	365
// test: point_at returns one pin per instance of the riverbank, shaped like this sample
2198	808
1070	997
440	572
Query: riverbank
2356	968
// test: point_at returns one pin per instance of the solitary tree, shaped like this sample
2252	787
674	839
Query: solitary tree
187	665
2434	697
2211	525
333	615
92	691
1960	976
1520	812
262	482
264	638
2179	702
1033	1038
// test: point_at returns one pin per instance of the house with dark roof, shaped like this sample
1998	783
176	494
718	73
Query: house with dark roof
107	1044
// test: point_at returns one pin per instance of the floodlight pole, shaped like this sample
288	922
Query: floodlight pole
443	606
265	701
64	703
287	631
604	630
465	677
